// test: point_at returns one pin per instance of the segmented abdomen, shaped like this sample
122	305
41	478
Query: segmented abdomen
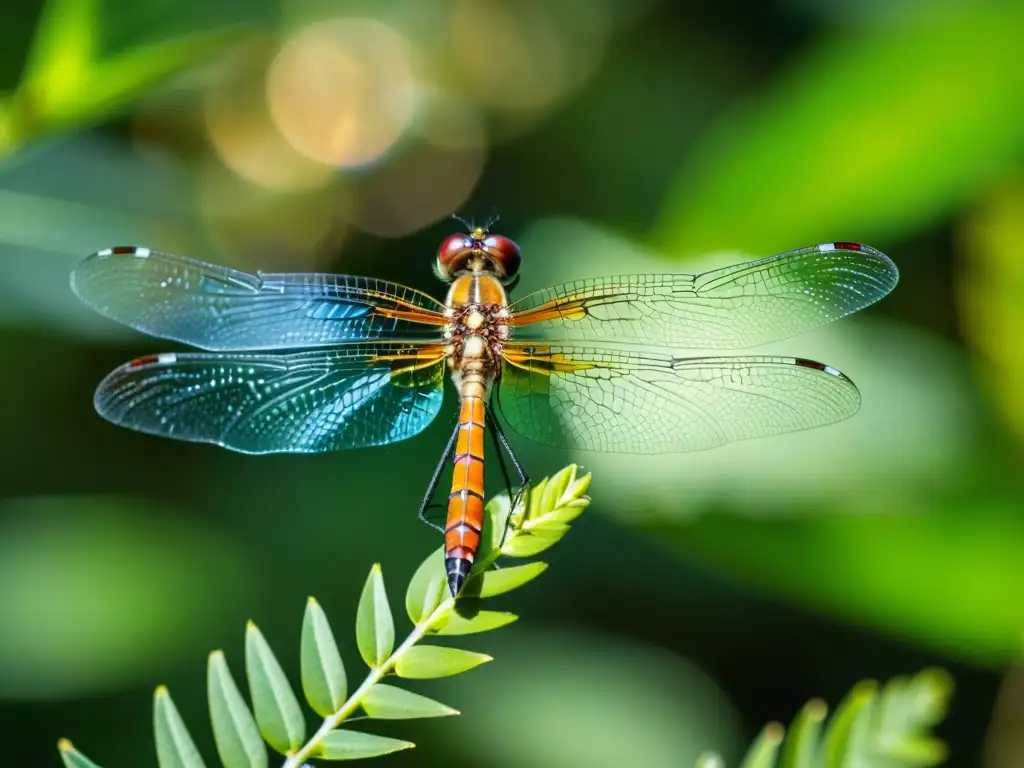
466	501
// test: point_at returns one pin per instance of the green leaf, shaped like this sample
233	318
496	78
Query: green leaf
72	757
353	745
762	752
234	729
62	51
114	80
499	581
174	745
844	732
528	544
323	672
553	489
427	588
788	171
801	745
375	628
277	709
424	662
386	702
481	621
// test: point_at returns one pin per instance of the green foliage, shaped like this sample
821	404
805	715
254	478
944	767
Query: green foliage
275	716
65	83
887	728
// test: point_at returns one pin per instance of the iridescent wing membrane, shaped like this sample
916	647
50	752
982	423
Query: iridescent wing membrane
218	308
306	402
608	399
374	377
738	306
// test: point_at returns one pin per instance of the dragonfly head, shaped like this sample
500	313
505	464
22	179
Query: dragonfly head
478	249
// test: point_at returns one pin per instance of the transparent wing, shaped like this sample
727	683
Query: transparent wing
606	400
218	308
738	306
306	402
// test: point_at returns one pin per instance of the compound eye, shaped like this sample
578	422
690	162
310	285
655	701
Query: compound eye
505	254
452	250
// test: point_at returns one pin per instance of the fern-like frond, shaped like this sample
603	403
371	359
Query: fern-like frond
872	728
273	715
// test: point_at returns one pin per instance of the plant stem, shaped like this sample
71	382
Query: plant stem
331	722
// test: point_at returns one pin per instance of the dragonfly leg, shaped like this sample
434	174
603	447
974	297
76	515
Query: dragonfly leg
436	479
524	481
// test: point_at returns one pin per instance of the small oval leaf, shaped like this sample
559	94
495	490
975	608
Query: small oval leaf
499	581
536	541
323	672
274	702
553	490
386	702
427	587
762	752
353	745
846	726
234	729
174	745
425	662
801	745
375	628
483	621
72	757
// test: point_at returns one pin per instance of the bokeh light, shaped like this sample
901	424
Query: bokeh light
342	91
244	136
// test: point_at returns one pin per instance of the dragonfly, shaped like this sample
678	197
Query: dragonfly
313	362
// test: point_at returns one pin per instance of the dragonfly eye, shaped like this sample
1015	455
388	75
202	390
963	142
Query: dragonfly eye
504	253
453	251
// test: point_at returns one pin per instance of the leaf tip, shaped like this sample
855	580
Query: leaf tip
161	692
774	732
311	602
65	745
816	710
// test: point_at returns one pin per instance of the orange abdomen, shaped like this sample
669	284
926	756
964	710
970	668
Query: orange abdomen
466	502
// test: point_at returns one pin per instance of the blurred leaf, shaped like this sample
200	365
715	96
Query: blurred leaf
323	672
501	580
800	749
276	707
857	565
386	702
873	135
375	628
72	757
174	745
889	728
62	52
353	745
97	591
425	662
65	84
112	81
846	736
234	729
762	752
992	313
427	587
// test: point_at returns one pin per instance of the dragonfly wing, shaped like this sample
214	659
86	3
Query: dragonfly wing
607	400
743	305
306	402
218	308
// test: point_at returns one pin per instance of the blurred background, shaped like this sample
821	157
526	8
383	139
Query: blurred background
612	136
